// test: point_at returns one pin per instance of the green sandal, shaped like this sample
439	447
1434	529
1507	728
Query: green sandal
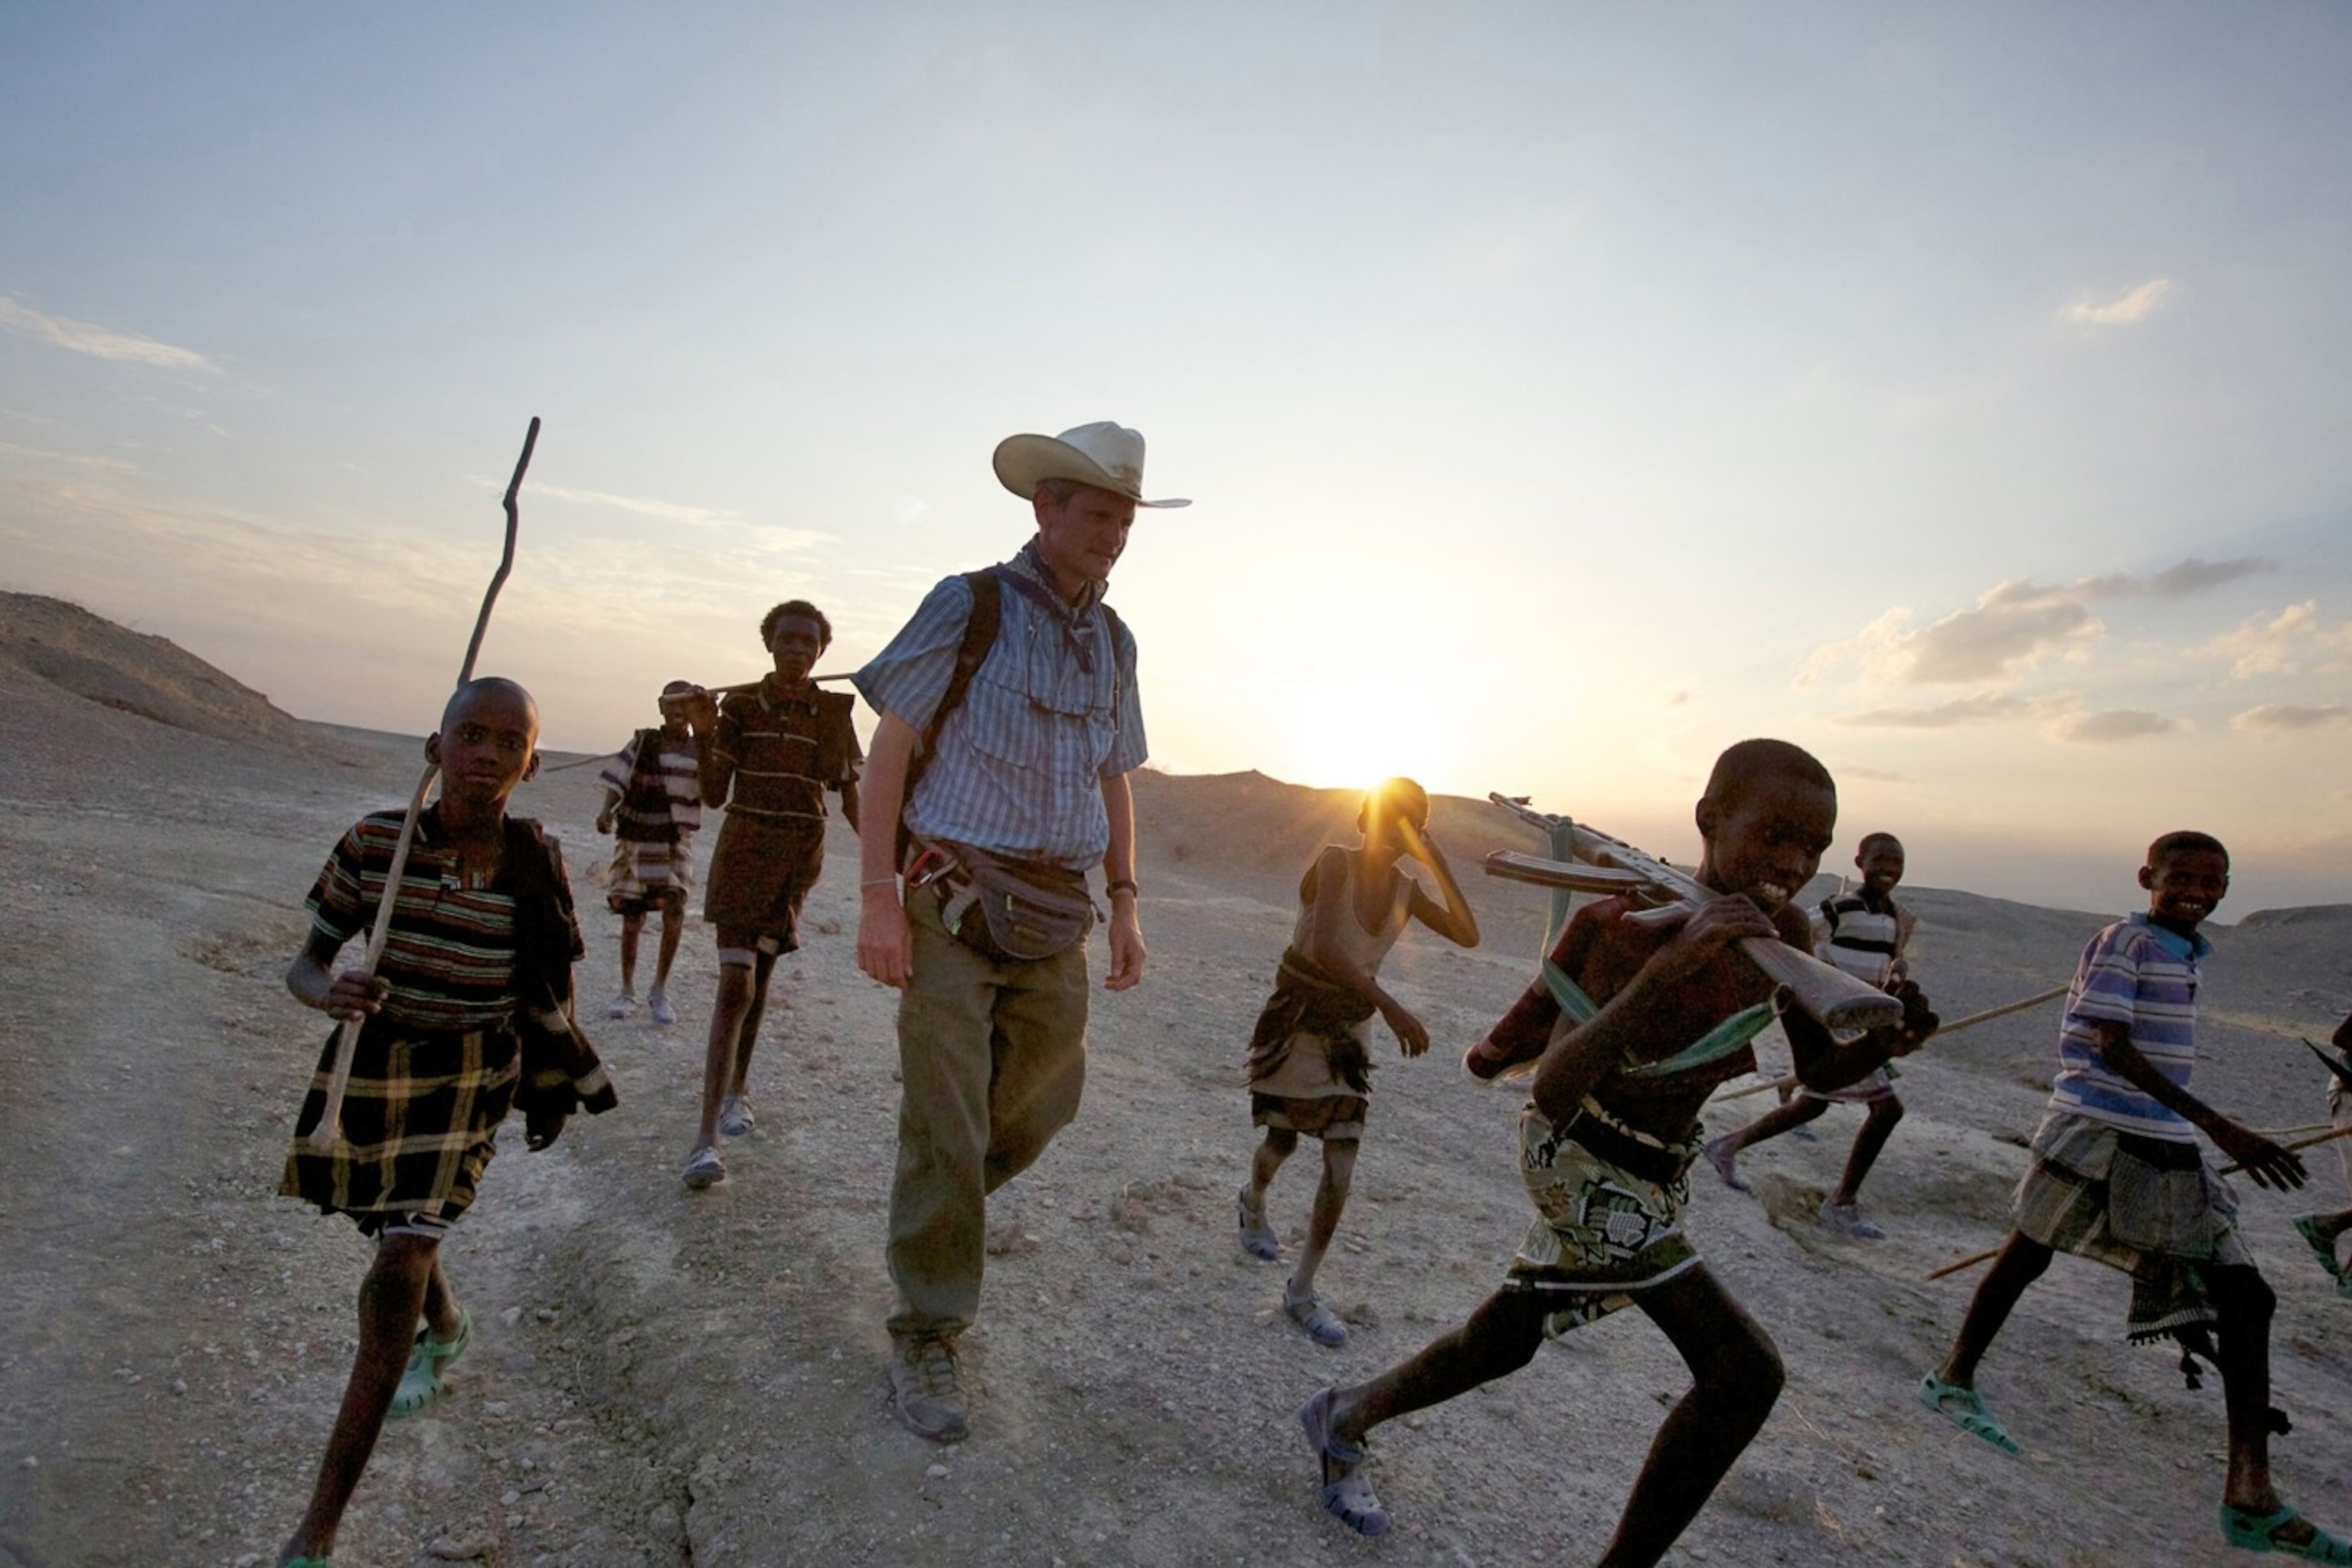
2251	1532
2322	1248
1965	1409
420	1384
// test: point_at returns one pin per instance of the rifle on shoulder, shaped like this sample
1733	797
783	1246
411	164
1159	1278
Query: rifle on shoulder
1586	860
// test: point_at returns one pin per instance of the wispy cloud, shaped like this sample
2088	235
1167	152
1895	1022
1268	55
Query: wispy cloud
2289	718
99	343
2129	308
2288	643
2013	625
1986	710
2184	580
1870	776
2193	576
73	460
2113	726
762	536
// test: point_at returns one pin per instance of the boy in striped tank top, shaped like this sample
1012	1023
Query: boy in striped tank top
653	808
1862	933
2116	1177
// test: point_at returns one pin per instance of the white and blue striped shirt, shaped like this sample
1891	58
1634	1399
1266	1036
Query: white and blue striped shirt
2139	974
1051	712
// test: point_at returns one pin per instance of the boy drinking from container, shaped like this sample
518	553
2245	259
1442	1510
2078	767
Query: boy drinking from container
1310	1063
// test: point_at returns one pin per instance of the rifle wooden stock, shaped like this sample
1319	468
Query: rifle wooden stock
1837	999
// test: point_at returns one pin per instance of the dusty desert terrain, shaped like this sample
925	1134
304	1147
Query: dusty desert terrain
662	1378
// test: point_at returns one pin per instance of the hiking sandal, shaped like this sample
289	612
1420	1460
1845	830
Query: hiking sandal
1257	1235
1965	1409
2250	1531
1347	1494
1321	1323
420	1382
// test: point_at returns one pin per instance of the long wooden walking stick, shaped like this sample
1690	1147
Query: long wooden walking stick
1953	1027
322	1137
1973	1258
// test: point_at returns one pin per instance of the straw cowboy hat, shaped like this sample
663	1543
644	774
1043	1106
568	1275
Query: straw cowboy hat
1107	455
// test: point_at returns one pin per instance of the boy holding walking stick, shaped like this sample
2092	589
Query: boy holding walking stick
467	1015
2116	1176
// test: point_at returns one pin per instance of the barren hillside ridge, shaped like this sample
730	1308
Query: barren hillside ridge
62	646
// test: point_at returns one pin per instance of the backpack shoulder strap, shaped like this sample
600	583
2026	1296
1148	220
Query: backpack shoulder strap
979	638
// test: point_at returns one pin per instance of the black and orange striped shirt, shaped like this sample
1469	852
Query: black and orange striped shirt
781	753
450	956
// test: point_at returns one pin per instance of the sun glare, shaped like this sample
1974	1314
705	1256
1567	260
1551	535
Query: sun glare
1349	734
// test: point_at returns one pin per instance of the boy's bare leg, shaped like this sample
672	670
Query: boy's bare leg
1800	1109
2244	1302
673	931
726	1017
1280	1144
403	1281
1330	1198
1736	1378
1876	1128
2020	1263
631	925
754	1009
1502	1336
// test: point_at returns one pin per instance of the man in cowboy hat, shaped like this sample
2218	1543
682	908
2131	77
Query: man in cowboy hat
1018	765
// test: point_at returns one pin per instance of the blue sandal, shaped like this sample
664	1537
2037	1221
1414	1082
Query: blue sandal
2251	1532
1965	1409
1347	1496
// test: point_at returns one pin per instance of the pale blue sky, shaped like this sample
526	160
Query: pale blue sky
1564	391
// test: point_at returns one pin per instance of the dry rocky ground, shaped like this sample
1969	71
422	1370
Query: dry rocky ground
663	1378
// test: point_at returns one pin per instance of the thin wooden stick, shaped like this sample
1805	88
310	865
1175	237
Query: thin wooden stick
743	686
1973	1258
1790	1081
1970	1262
1957	1025
322	1137
2329	1137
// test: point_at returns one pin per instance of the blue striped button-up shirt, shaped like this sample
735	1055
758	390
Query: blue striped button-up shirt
1051	713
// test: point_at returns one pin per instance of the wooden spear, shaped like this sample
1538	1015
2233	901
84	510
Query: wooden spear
1953	1027
322	1137
1973	1258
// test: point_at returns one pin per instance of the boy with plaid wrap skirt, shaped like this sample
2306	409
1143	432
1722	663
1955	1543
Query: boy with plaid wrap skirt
2116	1177
467	1015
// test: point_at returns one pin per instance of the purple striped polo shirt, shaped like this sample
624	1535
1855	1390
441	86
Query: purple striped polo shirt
2139	974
